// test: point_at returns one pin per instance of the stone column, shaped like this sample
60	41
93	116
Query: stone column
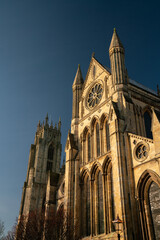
104	203
91	205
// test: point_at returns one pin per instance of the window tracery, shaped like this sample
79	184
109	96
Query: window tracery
95	95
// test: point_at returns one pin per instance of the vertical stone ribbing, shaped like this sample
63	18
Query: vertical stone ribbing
116	53
117	66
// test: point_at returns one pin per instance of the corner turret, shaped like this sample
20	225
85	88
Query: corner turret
77	88
116	53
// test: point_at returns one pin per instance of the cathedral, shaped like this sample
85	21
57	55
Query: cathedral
111	173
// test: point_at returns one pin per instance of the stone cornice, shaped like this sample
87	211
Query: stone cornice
140	137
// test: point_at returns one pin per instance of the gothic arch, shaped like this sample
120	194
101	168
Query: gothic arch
147	116
85	131
103	118
86	147
106	165
148	109
143	187
83	173
85	203
108	194
95	167
93	121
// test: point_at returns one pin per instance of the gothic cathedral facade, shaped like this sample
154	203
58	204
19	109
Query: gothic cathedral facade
112	164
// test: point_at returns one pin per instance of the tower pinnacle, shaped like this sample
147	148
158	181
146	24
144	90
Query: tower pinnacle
115	42
78	78
46	122
116	53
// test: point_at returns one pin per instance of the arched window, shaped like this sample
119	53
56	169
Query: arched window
147	121
100	203
88	222
148	194
50	158
85	201
97	139
154	200
89	147
107	136
50	152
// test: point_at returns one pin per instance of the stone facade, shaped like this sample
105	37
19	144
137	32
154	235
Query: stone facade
43	172
112	162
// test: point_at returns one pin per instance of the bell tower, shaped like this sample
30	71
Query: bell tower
43	169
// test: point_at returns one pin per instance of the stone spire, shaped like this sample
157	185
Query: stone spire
46	119
78	80
115	42
116	54
77	89
59	124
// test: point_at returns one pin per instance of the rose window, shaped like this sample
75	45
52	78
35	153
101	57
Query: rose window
95	95
141	152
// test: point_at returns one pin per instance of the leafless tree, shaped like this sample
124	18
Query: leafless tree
36	226
1	230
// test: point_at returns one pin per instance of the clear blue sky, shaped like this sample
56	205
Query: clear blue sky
41	44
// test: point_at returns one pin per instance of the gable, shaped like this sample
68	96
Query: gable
96	88
95	72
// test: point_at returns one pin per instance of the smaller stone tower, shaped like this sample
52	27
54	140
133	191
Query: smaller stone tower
116	53
39	191
77	91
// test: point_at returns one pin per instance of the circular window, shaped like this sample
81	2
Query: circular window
95	95
141	152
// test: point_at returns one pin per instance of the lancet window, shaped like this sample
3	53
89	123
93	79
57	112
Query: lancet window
86	146
107	136
100	203
148	195
97	140
50	152
89	146
86	220
147	121
50	158
97	200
